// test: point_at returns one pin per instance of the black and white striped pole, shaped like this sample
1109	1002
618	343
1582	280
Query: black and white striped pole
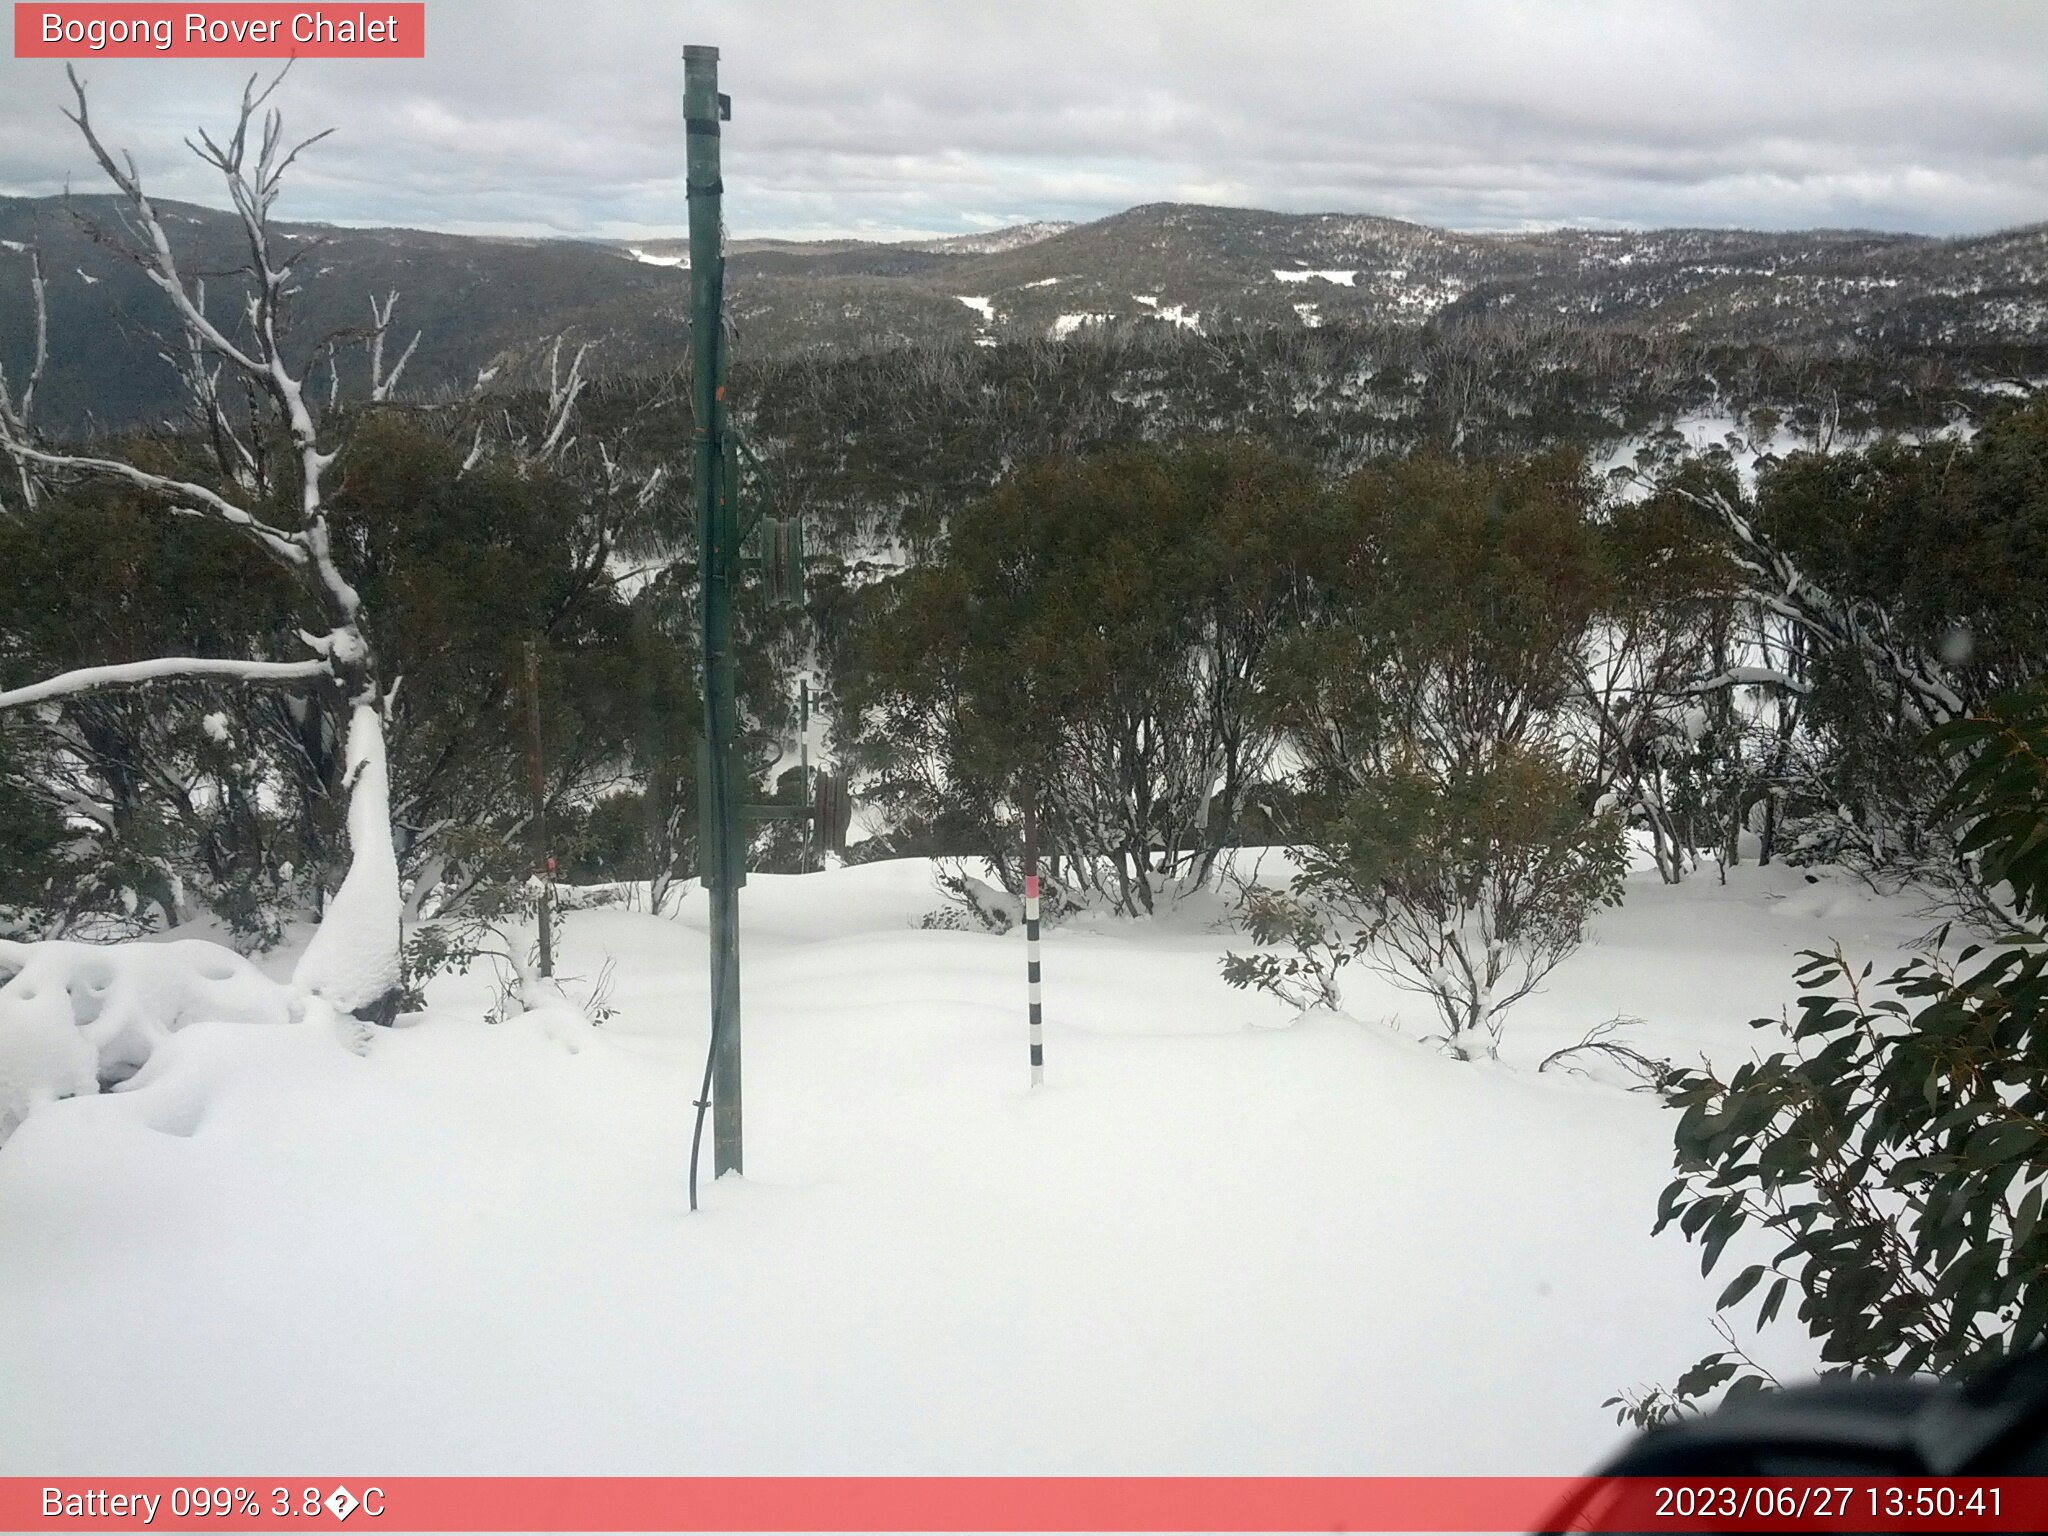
1031	942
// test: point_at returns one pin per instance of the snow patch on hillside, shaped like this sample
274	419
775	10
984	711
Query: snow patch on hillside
1066	325
1344	277
981	306
656	259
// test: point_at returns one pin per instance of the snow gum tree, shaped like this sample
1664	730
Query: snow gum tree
1094	635
1878	594
271	490
1654	728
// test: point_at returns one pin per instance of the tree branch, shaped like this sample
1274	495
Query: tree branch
128	674
287	547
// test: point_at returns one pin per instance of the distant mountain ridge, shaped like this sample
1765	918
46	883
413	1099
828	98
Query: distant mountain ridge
1189	268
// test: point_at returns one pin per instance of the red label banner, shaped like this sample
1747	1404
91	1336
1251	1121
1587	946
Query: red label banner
216	31
1006	1504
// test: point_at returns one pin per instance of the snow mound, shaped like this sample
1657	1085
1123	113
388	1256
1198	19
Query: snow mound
41	1060
73	1015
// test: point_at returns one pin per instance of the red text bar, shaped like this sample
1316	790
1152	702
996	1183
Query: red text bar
1005	1504
216	31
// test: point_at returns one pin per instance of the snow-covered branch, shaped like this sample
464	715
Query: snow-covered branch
128	674
201	372
1860	628
160	262
184	495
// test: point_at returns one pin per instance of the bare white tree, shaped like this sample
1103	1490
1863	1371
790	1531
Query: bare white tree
353	960
16	410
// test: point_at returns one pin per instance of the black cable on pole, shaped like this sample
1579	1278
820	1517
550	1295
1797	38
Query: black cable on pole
703	1105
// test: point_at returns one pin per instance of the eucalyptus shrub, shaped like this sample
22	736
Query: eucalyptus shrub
1898	1147
1468	892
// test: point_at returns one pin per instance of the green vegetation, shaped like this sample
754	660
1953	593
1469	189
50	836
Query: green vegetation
1898	1150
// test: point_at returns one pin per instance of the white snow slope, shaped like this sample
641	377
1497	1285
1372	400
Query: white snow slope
1216	1241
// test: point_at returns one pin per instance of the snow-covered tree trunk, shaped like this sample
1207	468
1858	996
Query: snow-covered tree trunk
353	960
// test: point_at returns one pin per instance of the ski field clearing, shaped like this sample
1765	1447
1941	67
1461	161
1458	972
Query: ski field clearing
1218	1241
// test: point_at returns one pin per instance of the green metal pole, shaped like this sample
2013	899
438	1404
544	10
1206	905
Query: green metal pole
723	851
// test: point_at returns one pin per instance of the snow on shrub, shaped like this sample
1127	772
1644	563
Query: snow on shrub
73	1015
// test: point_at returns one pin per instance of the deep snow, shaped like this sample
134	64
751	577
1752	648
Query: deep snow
1217	1241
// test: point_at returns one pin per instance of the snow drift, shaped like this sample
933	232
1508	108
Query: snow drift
73	1016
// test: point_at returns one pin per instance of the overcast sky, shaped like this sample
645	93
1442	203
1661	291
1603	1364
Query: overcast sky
884	118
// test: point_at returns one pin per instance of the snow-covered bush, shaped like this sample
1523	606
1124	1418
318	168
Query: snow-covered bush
974	903
1432	703
996	911
1468	892
73	1016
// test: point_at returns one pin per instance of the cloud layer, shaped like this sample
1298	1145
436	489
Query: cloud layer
889	117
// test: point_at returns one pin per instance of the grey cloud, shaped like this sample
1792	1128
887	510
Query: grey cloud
892	116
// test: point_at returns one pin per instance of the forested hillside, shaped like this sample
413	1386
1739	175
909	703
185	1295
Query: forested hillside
1153	274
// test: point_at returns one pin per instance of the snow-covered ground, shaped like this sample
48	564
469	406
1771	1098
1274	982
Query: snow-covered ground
1218	1240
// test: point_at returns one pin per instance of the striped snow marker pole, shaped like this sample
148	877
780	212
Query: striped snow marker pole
1031	950
1030	808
